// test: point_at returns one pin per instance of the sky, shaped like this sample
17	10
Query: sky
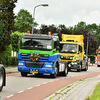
67	12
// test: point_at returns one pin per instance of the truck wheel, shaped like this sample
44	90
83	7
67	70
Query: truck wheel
55	73
65	72
86	68
1	78
79	69
23	74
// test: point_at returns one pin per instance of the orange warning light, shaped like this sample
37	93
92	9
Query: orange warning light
28	32
49	33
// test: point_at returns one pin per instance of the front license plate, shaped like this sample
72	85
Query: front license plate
34	71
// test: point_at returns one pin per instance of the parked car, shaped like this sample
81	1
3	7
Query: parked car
2	77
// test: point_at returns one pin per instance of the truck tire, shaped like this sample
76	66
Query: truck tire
86	68
23	74
79	68
55	73
1	79
65	72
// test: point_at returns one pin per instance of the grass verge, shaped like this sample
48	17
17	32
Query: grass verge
96	93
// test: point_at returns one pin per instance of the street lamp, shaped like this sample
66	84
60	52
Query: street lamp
34	13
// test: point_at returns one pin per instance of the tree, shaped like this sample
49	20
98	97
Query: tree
44	29
24	21
6	22
63	30
52	28
92	43
13	42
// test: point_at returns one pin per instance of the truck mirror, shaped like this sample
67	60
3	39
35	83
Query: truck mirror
57	48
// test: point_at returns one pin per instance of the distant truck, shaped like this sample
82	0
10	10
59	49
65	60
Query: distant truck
2	77
72	51
98	56
47	48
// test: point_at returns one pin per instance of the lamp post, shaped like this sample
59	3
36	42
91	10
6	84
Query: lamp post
34	13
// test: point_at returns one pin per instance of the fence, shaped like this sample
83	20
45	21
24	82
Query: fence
9	61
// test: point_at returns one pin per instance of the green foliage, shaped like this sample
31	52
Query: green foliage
7	21
13	36
7	52
91	58
24	21
96	93
9	61
1	33
92	43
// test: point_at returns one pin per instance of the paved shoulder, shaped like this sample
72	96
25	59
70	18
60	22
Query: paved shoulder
11	70
76	91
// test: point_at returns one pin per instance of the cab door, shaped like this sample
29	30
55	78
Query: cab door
81	56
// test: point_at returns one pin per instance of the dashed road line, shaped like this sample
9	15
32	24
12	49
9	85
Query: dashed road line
30	88
38	85
9	96
21	91
45	83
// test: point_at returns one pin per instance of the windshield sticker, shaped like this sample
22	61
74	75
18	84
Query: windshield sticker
49	47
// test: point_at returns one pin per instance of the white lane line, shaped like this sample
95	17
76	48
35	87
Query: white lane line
38	85
52	81
30	88
20	91
45	83
9	96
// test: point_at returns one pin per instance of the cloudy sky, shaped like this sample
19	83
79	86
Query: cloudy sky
67	12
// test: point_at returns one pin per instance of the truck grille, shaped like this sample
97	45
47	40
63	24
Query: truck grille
30	64
28	57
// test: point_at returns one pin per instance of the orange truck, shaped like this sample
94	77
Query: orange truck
98	56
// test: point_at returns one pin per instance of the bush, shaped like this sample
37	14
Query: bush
7	52
9	61
13	36
92	58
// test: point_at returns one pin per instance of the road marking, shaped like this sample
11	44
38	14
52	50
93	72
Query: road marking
30	88
45	83
10	96
38	85
52	81
20	91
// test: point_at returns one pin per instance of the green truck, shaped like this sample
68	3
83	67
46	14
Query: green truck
47	48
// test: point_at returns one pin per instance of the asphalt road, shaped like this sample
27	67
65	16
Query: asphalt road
17	84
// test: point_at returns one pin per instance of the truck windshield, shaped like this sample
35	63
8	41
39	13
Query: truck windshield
37	44
68	48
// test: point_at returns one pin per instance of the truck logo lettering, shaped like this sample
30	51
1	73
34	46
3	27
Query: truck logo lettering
70	37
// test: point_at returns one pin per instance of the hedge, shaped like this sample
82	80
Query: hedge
9	61
92	58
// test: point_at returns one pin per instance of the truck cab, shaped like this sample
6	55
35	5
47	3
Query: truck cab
47	47
72	50
98	56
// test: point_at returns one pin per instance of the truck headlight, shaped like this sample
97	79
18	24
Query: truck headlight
73	63
20	64
48	65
